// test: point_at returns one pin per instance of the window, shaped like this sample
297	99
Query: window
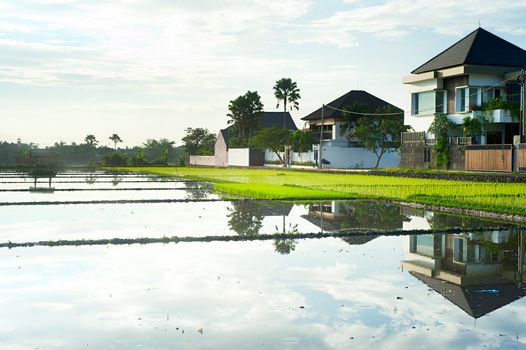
428	102
427	155
460	250
460	99
468	99
441	101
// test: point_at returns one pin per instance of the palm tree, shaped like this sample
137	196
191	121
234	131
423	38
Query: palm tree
287	91
116	139
91	140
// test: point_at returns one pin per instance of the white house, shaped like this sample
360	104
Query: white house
477	72
340	151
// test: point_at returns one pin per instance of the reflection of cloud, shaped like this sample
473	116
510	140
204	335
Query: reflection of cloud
243	295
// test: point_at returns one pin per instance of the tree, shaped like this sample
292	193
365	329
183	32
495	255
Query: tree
245	114
287	91
199	141
471	126
440	127
301	140
91	140
379	133
116	139
245	218
271	138
158	152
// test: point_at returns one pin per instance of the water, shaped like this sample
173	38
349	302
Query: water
367	292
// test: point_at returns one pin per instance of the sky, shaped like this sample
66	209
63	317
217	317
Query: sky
152	68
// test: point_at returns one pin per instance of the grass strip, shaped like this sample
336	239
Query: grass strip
506	198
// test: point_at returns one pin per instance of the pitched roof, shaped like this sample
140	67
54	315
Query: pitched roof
480	47
268	120
275	120
477	300
371	103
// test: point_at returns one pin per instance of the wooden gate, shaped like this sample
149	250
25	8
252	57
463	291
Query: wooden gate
521	157
489	158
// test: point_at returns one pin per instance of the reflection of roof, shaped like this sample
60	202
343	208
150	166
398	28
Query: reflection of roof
480	47
335	225
476	301
328	225
359	240
275	209
268	120
370	102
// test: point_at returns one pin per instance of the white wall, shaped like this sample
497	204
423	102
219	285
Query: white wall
357	157
295	156
343	157
419	122
485	79
202	160
238	156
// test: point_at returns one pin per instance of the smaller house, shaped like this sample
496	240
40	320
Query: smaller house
339	150
224	155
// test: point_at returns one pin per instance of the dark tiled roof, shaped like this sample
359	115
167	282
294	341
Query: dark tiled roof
371	103
480	47
275	120
477	300
268	120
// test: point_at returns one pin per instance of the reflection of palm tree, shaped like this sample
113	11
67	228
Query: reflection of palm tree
90	179
286	245
116	179
246	218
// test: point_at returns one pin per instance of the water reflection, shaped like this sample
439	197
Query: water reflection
478	272
355	215
197	190
116	179
90	179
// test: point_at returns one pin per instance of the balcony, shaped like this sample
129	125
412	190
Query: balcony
496	116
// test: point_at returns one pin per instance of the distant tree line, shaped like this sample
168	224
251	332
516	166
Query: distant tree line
151	152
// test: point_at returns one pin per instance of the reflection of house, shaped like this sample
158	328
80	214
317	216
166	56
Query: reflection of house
224	155
355	215
340	151
476	78
477	272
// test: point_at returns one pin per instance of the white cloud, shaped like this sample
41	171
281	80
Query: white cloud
398	17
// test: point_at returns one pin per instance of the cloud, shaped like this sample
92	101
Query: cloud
396	18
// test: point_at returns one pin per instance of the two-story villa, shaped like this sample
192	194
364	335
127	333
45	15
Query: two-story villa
338	149
478	71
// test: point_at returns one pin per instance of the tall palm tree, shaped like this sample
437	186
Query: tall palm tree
287	91
115	138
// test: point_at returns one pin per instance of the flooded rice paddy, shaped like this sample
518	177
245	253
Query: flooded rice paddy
366	290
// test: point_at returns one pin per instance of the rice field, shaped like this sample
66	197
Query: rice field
508	198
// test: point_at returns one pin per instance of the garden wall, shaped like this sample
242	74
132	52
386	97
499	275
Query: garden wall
203	160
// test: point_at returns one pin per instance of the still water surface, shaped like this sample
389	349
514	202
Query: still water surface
370	292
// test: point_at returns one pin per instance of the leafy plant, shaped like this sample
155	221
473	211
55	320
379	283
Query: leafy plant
440	128
499	103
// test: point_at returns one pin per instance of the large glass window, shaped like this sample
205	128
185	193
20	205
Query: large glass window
428	102
468	99
460	99
441	101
